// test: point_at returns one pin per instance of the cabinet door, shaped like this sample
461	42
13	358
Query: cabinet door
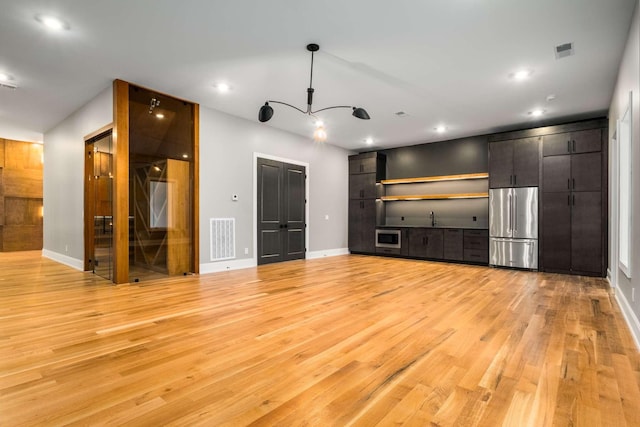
586	172
453	244
435	243
586	232
556	231
359	165
362	225
526	162
557	144
556	173
418	242
362	186
586	141
500	164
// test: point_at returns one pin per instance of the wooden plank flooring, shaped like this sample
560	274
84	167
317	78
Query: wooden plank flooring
349	340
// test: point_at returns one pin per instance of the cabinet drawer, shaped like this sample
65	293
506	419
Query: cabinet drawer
476	255
390	251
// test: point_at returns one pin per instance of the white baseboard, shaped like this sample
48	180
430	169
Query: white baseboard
630	317
227	265
327	253
78	264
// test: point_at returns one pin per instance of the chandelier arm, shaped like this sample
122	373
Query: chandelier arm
329	108
289	105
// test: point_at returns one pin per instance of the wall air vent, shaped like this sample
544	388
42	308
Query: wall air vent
223	244
564	50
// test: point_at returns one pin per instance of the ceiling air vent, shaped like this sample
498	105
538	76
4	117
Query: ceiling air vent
564	50
401	114
8	85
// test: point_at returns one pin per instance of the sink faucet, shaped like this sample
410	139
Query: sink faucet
433	218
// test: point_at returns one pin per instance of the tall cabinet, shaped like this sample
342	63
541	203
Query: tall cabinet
574	202
365	170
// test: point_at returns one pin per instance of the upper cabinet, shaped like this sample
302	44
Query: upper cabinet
583	141
514	163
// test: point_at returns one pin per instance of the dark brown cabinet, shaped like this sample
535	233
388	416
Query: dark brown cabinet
514	163
426	243
572	228
453	248
364	171
476	246
583	141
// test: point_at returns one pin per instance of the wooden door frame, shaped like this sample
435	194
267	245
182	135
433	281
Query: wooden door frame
257	155
89	196
121	185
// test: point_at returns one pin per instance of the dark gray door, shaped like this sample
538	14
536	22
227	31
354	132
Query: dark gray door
281	211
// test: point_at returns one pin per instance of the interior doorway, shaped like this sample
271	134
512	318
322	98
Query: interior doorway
281	211
98	204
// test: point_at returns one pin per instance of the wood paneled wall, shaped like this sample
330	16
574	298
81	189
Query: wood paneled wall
20	195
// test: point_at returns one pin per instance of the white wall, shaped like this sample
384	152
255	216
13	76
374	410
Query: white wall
64	181
227	148
628	81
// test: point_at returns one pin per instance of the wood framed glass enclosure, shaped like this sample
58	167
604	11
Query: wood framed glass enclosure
156	168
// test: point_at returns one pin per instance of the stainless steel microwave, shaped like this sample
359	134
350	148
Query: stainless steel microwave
388	238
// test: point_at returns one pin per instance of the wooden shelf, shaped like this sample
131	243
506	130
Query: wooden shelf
435	196
436	178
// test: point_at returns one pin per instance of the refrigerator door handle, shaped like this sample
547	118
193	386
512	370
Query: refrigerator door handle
515	212
510	209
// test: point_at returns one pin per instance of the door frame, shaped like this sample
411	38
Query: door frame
257	155
88	198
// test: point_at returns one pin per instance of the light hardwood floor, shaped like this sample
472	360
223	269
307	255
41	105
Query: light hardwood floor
348	340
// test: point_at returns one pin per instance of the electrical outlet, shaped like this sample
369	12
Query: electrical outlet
246	251
633	294
326	217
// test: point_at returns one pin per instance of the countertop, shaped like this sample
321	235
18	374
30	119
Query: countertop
429	226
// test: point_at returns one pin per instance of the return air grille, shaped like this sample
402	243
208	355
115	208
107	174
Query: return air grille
564	50
223	237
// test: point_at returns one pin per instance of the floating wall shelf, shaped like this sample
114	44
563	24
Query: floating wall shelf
435	196
436	178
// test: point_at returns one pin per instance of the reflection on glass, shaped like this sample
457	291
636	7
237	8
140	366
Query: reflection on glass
160	185
103	209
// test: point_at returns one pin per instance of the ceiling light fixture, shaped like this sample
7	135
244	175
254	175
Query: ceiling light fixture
440	129
7	81
368	141
320	134
153	104
160	115
52	22
536	113
521	75
266	111
223	87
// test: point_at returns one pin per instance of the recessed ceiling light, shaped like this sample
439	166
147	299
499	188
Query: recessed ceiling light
5	77
440	129
160	116
521	75
222	87
536	113
368	141
319	123
185	156
52	22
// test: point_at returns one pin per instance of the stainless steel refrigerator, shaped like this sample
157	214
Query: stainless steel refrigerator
513	227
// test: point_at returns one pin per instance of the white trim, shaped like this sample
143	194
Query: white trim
216	267
630	317
257	155
78	264
327	253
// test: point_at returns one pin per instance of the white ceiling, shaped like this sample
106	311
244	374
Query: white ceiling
440	61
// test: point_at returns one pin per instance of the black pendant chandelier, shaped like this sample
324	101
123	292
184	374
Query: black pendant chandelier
266	112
